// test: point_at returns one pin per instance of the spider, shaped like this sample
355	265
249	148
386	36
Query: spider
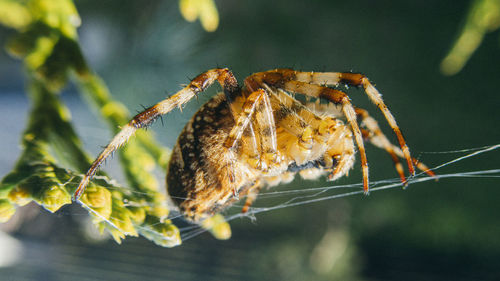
259	135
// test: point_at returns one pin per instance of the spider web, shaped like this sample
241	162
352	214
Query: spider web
306	196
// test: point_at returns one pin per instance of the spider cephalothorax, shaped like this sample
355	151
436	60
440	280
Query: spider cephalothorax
259	134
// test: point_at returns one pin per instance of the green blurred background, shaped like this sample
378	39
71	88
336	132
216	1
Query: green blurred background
446	230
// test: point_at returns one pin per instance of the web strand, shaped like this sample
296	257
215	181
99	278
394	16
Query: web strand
305	196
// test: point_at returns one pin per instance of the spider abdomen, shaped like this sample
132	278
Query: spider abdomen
192	178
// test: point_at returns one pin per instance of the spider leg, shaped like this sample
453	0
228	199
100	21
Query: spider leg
256	111
234	140
251	145
243	120
252	195
279	77
264	121
378	138
355	79
145	118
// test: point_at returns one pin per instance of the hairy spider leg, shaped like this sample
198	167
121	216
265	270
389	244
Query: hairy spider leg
252	193
286	79
264	121
292	123
255	112
199	84
250	146
324	128
244	118
378	138
234	139
355	79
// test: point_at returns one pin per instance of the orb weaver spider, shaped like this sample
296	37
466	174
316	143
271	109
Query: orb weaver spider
248	137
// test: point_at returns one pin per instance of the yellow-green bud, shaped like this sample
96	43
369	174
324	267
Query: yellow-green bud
99	199
137	214
120	217
170	235
218	226
19	196
7	210
54	198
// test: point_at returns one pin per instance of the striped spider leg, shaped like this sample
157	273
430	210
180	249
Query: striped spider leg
375	136
256	113
310	84
145	118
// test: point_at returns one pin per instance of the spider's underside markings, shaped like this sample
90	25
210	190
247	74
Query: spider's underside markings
260	135
310	129
337	97
334	78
